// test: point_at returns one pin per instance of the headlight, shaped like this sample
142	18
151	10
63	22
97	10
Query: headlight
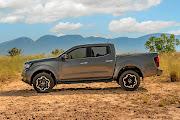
27	65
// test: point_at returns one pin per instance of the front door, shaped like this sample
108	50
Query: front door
75	67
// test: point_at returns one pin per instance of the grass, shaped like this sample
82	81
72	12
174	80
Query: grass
162	103
11	67
170	63
145	100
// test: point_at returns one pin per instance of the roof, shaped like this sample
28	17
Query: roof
97	44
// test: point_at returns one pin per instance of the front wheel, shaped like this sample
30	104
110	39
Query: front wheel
129	80
43	83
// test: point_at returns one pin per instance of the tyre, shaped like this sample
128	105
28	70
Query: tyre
129	80
43	83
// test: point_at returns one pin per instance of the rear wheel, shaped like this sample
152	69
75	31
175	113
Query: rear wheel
43	83
129	80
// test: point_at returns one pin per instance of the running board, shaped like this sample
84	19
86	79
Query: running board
84	81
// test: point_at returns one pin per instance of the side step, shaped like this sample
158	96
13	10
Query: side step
84	81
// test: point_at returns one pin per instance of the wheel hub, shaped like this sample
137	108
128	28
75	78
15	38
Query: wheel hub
43	83
130	81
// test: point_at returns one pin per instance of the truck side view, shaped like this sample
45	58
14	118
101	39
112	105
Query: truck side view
91	63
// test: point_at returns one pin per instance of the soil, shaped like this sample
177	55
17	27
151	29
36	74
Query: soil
156	98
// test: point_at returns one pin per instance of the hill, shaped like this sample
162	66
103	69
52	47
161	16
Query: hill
47	43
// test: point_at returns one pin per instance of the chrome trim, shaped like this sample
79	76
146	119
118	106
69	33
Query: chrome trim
83	63
109	60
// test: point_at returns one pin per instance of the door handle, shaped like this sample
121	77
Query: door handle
109	60
83	63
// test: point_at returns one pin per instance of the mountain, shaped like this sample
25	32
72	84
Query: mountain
47	43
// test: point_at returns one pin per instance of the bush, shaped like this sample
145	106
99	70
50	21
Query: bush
57	51
14	51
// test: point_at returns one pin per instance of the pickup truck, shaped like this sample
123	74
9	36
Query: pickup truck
91	63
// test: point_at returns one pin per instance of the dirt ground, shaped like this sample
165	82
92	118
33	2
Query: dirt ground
155	99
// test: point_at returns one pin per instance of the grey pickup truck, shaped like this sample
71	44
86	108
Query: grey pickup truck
91	63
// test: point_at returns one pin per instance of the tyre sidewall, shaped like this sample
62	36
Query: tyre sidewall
124	74
47	76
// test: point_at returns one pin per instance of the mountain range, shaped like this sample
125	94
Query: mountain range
47	43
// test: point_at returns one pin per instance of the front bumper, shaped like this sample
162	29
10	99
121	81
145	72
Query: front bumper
25	77
159	71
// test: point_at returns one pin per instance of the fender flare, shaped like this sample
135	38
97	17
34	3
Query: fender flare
119	67
44	67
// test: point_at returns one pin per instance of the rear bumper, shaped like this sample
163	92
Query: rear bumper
159	71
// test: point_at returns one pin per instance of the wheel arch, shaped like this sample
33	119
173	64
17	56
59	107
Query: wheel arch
135	68
46	71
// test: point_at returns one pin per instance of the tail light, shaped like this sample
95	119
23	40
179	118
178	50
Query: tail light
156	59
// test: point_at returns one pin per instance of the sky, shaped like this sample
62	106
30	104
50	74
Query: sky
98	18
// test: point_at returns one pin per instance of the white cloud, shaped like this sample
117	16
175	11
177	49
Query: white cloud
59	35
174	32
65	27
45	11
130	25
11	19
92	24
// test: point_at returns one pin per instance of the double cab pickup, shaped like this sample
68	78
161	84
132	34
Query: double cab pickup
91	63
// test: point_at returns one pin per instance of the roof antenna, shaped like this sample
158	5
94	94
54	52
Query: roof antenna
108	39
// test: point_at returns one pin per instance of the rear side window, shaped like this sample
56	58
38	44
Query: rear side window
100	51
77	53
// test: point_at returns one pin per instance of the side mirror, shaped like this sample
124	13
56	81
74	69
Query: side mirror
64	56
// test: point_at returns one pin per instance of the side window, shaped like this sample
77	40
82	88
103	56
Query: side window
100	51
77	53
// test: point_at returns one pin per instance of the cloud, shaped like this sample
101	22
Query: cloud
130	25
174	32
65	27
45	11
11	19
59	35
92	24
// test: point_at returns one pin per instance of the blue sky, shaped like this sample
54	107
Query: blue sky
110	19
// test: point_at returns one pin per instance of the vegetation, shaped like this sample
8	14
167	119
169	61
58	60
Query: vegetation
11	67
145	100
57	51
162	44
14	52
170	64
162	103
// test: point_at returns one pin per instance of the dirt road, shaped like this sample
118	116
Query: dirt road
154	99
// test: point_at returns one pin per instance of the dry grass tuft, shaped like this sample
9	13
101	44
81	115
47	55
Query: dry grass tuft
162	103
170	63
145	100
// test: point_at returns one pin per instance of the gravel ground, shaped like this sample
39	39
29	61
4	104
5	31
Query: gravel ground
154	99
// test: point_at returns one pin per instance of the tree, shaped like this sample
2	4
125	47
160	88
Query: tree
162	44
57	51
14	51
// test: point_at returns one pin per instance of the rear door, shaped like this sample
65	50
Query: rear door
101	61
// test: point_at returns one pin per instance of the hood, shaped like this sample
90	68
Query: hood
41	60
